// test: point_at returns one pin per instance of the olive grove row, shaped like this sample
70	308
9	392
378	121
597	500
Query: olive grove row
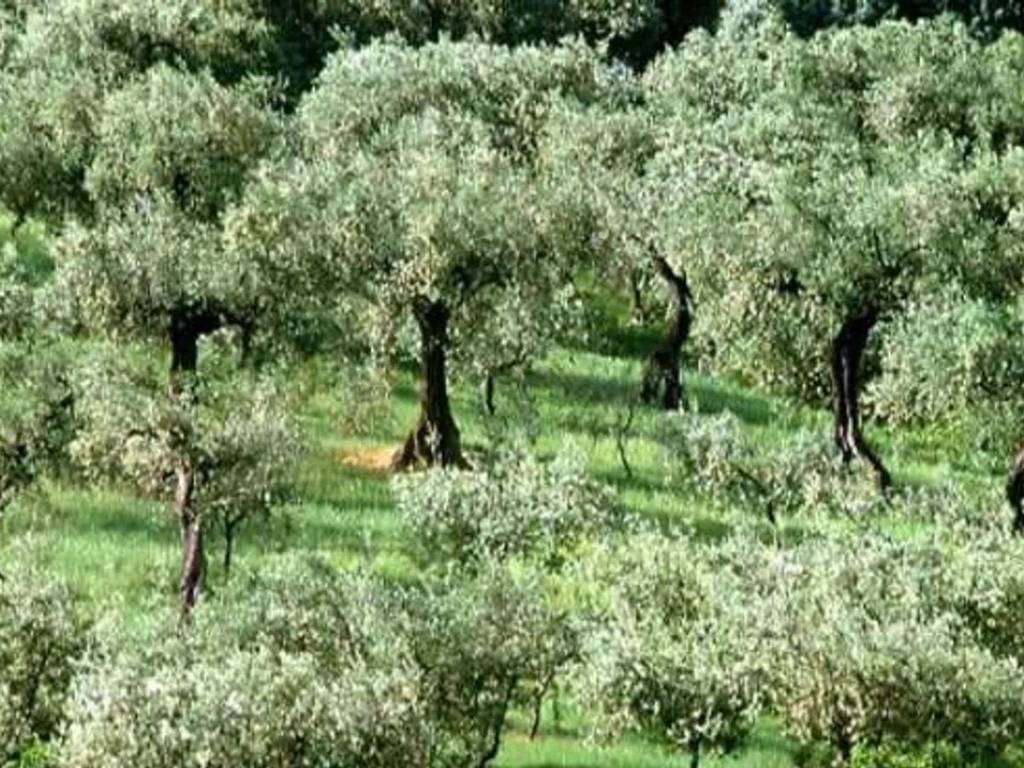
795	195
530	592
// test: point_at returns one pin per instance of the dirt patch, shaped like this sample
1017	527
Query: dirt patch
376	461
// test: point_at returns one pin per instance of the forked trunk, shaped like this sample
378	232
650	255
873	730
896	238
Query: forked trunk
435	441
847	351
1015	493
662	380
192	555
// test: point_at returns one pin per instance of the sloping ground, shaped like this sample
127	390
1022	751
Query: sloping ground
116	549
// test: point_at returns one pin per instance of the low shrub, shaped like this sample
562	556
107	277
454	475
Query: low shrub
41	635
673	653
516	506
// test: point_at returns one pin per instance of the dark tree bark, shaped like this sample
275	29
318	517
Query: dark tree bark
538	706
695	752
489	394
637	309
192	554
188	325
662	377
847	351
1015	493
435	441
230	525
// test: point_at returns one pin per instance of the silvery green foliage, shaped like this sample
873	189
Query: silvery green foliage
416	181
305	665
36	412
179	134
956	362
827	176
867	646
236	434
366	91
126	274
41	634
300	666
675	652
493	20
244	707
70	56
113	39
851	638
595	156
515	506
715	457
483	644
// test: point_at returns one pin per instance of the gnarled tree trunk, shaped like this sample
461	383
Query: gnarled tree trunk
662	375
847	351
1015	492
192	554
435	441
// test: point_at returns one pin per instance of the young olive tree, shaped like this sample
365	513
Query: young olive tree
223	447
171	151
673	652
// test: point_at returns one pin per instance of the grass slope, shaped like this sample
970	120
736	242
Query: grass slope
121	551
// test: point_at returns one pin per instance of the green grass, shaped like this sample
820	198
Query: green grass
119	550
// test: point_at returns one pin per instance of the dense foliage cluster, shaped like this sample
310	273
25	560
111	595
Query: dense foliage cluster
822	200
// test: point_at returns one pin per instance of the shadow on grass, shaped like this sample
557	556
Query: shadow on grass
750	409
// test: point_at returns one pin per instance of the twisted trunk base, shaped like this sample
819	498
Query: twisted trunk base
435	441
662	379
847	351
1015	493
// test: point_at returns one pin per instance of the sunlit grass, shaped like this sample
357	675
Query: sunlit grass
117	549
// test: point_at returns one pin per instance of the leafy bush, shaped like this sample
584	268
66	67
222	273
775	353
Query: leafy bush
517	506
483	645
41	635
890	755
712	456
244	707
867	648
674	654
237	434
954	361
303	664
299	668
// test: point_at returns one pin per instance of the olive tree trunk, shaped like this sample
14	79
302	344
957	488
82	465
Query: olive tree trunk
1015	493
662	379
185	331
847	350
435	441
192	555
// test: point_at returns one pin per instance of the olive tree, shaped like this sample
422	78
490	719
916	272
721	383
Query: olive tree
224	447
817	204
417	198
673	653
604	150
66	57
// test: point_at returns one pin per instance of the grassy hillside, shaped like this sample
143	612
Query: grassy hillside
120	550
